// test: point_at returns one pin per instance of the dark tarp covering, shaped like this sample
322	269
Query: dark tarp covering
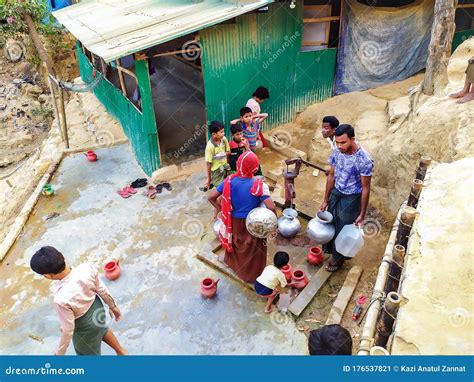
381	45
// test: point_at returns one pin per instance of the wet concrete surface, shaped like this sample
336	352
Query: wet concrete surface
158	292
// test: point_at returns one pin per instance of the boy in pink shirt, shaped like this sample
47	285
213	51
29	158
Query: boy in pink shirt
76	300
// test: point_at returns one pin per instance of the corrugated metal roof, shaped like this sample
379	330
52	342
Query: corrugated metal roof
115	28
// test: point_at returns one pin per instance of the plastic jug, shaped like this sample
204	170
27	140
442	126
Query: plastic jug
350	240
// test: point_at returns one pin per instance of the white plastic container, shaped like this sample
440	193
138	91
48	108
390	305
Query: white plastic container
350	240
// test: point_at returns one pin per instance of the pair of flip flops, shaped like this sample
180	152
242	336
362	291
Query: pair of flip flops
159	187
126	192
139	183
150	192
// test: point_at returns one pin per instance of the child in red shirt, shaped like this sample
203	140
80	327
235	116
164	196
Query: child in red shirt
238	145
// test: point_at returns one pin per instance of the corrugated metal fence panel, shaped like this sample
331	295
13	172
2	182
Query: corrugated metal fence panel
147	136
263	49
139	128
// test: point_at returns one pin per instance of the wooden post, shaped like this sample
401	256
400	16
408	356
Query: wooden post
406	221
395	270
120	74
387	318
425	162
48	63
63	117
55	102
103	66
415	193
439	51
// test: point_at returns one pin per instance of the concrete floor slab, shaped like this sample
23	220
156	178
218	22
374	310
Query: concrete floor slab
158	292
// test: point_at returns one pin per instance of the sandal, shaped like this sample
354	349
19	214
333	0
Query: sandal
139	183
123	193
331	267
130	190
167	186
150	192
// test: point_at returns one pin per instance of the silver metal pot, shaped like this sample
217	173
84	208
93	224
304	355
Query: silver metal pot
320	228
289	224
261	222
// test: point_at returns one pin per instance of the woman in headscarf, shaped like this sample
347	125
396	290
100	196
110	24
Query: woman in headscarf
241	193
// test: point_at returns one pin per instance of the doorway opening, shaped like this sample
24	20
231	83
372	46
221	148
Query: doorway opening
178	99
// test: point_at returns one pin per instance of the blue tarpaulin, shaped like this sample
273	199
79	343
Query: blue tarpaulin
54	5
379	45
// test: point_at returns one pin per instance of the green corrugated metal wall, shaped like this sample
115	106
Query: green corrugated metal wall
460	37
236	58
140	128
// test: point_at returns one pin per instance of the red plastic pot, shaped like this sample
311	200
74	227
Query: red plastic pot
91	156
112	270
287	272
315	256
209	287
299	279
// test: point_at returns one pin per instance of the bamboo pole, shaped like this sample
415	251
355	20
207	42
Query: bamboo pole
55	103
425	161
129	72
406	221
48	63
122	81
415	193
395	269
387	318
321	19
62	110
191	50
367	335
